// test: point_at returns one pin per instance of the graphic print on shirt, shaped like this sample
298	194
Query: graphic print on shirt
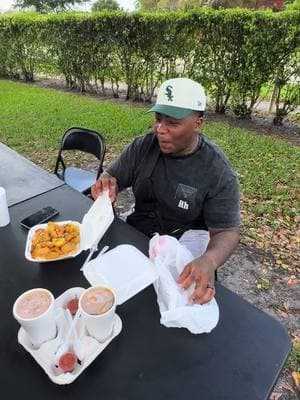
185	196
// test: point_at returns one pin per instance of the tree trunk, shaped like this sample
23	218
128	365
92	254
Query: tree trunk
272	105
278	120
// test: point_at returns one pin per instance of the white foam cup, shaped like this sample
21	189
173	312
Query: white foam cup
99	326
4	215
39	329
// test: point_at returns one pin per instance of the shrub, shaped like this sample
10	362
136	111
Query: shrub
233	52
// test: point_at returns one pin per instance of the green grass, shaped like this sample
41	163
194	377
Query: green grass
37	117
266	91
268	169
33	119
293	362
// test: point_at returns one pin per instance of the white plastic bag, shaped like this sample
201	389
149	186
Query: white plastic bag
170	257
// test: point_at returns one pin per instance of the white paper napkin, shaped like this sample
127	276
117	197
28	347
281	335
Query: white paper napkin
4	216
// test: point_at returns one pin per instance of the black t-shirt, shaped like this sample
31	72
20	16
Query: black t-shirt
199	190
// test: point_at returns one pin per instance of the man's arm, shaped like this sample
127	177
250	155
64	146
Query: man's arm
202	269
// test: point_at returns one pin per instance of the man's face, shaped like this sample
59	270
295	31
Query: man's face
177	136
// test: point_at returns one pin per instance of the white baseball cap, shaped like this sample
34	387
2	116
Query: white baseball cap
179	97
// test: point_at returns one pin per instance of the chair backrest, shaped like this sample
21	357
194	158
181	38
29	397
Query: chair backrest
82	139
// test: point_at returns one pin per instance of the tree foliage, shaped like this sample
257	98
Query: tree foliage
100	5
168	5
45	6
293	5
186	5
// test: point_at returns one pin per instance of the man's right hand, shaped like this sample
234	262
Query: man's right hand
108	183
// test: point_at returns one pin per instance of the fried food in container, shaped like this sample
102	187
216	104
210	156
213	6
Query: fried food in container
54	240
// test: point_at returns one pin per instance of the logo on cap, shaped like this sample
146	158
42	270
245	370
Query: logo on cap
168	93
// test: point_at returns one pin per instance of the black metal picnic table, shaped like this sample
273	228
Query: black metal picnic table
239	360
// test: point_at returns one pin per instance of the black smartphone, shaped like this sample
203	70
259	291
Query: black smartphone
39	217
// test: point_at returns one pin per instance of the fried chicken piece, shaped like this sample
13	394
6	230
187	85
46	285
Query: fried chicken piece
68	247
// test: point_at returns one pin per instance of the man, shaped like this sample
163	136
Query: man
183	185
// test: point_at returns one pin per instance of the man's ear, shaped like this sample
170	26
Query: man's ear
199	122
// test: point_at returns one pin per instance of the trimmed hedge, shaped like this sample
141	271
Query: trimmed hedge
231	52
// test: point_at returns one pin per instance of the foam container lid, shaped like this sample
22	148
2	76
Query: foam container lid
125	269
96	221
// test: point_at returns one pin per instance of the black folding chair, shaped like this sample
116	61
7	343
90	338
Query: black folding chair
85	140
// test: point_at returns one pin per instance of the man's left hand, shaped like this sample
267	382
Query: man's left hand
202	272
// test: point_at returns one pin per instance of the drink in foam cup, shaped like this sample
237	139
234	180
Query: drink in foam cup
34	310
97	305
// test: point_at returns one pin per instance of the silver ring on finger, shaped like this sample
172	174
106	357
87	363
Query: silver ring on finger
209	286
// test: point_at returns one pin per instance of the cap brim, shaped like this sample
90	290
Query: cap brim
170	111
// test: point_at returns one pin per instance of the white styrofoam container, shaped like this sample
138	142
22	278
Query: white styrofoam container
45	355
94	225
31	234
125	269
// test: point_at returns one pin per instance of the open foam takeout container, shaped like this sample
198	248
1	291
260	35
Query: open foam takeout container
93	226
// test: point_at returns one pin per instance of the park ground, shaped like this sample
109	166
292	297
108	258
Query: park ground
257	270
